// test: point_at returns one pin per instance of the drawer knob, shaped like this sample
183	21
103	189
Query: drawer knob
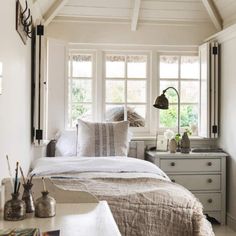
173	180
209	163
210	200
209	180
172	163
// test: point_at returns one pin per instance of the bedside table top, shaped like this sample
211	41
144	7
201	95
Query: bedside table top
72	219
189	155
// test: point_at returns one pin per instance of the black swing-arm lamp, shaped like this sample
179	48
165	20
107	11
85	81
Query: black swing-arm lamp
162	102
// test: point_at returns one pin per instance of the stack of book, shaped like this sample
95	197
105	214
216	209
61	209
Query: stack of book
27	232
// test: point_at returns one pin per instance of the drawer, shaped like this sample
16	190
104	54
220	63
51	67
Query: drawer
210	201
198	182
189	165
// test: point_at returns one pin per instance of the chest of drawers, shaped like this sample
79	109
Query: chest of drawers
204	174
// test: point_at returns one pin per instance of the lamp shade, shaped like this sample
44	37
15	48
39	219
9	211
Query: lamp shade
161	102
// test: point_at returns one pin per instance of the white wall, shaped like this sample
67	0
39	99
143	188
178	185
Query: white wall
15	101
228	121
147	34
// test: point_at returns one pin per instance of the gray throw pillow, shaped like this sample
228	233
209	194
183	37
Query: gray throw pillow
102	139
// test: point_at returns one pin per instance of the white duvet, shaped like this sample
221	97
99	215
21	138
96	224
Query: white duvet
64	165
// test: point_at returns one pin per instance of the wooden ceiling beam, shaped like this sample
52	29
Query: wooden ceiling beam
135	16
53	10
213	13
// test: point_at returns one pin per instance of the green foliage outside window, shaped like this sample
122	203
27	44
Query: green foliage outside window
188	114
78	109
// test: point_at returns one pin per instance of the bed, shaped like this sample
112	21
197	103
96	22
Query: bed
142	198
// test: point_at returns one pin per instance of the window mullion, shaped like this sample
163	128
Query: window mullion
126	76
70	84
179	87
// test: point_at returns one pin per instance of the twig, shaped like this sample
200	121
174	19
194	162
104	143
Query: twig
44	186
16	177
31	178
22	174
10	174
18	188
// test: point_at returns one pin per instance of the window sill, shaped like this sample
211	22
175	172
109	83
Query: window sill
153	138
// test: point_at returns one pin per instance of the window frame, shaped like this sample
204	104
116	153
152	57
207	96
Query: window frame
137	131
179	79
153	83
71	52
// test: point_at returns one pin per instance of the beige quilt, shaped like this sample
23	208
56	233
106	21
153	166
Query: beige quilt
144	206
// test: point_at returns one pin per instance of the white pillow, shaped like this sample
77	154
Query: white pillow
102	139
67	143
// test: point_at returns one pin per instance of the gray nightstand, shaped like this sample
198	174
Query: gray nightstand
204	174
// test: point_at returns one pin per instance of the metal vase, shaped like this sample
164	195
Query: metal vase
27	197
14	209
172	145
45	206
185	143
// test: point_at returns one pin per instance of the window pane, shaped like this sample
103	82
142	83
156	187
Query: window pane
115	66
115	91
169	67
136	66
168	118
189	91
189	115
136	91
136	115
170	93
114	113
190	67
83	111
81	90
81	66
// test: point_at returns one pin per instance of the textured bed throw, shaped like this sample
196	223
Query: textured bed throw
146	206
143	200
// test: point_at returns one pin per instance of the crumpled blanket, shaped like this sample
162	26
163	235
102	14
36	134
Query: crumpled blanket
144	206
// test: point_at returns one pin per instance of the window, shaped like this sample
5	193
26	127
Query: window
121	89
126	88
182	73
80	87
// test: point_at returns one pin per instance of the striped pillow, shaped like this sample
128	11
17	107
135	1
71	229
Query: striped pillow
102	139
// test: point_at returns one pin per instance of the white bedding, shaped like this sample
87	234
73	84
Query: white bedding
63	165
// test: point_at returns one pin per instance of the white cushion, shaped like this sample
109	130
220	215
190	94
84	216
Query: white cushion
67	143
102	139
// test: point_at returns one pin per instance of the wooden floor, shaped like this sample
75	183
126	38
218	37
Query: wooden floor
223	231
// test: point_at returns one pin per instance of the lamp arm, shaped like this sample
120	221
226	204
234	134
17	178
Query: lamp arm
178	105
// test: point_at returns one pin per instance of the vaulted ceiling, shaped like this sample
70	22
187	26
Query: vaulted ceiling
221	13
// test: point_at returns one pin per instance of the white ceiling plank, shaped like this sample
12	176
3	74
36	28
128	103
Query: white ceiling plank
164	5
53	10
100	3
213	13
173	15
95	12
134	21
